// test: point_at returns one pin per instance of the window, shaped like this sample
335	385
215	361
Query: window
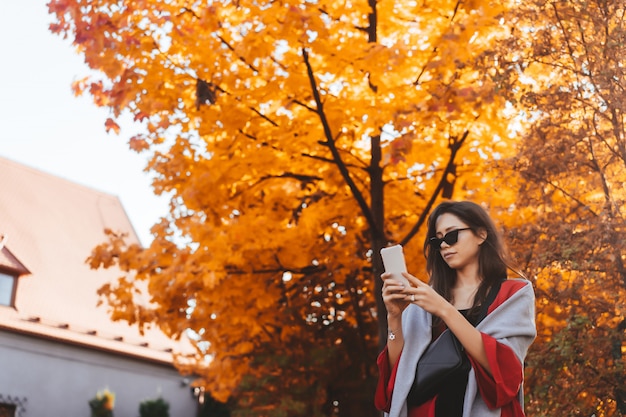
7	292
7	410
12	406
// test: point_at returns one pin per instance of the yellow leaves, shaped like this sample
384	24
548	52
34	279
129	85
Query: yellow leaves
109	399
103	401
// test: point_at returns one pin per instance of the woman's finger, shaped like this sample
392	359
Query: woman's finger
416	281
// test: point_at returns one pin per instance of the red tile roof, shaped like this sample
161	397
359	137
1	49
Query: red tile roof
50	225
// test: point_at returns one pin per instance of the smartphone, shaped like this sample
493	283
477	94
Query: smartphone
393	261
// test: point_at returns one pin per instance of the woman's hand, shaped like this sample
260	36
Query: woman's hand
394	295
425	296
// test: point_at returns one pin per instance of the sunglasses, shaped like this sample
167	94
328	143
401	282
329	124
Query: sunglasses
450	238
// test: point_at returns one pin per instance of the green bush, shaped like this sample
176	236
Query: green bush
154	408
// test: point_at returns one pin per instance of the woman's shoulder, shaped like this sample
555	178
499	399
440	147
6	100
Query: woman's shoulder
513	285
509	288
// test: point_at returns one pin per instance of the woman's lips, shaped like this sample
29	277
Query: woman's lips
447	255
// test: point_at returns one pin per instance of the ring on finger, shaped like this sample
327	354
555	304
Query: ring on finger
412	297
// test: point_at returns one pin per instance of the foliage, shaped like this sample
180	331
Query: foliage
276	127
102	404
154	408
571	171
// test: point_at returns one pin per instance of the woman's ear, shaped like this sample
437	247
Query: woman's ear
482	234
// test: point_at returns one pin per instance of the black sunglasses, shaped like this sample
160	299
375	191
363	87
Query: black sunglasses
450	238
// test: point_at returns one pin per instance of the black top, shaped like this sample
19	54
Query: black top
451	395
450	399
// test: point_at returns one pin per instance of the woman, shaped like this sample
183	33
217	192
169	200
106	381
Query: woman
465	259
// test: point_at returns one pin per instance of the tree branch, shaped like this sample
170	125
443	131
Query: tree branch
321	158
454	147
330	142
557	187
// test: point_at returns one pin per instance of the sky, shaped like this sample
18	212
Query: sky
44	126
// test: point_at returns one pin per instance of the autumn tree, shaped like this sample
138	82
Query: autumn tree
571	79
296	139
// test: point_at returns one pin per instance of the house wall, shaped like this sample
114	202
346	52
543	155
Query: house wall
48	378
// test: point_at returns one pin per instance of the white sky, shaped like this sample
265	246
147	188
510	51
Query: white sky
44	126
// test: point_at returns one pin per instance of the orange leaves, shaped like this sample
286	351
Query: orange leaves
111	125
570	182
297	23
58	7
400	147
101	257
138	143
268	243
78	86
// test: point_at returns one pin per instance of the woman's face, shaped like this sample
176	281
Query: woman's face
465	251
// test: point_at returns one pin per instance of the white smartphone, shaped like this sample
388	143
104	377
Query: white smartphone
393	261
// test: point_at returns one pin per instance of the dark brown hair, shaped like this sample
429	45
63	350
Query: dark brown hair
493	260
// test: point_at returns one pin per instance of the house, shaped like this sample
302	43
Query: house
57	347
